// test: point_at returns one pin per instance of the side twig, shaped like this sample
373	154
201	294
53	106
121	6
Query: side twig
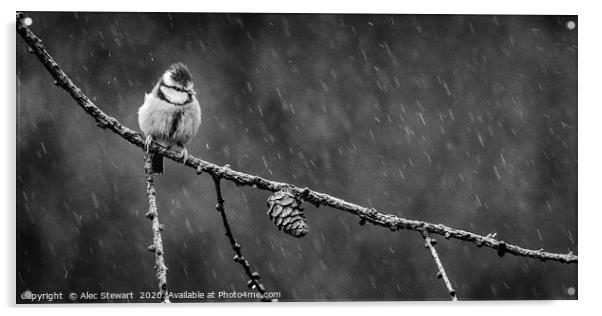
153	215
430	243
254	277
365	214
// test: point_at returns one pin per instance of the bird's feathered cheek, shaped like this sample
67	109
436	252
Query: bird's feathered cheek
167	79
174	96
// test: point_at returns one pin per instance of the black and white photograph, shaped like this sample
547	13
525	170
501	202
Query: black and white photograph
230	157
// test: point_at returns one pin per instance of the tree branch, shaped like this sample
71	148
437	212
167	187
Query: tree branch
371	215
253	282
153	215
430	243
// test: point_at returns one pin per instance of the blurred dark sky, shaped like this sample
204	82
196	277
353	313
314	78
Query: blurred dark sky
470	121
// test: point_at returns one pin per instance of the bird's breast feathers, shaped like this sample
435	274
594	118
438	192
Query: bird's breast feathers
168	123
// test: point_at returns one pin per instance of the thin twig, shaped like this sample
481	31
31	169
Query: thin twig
153	215
371	215
254	277
430	243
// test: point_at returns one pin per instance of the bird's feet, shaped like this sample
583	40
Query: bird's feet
147	143
184	154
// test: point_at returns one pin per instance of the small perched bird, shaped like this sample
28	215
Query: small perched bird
171	114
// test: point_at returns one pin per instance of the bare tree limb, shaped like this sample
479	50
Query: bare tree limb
371	215
254	277
430	243
153	215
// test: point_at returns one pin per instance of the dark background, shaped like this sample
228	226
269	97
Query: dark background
469	121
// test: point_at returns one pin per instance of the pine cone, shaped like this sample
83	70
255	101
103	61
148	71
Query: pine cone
285	211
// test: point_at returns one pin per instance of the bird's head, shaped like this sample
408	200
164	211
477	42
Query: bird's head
178	77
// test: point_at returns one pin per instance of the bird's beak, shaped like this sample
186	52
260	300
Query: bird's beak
191	91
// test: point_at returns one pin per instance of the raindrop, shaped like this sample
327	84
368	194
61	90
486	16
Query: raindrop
401	174
539	234
422	118
497	174
478	200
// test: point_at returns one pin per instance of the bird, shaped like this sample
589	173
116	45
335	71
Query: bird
171	113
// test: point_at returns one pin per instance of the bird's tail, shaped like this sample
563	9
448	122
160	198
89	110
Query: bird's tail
157	163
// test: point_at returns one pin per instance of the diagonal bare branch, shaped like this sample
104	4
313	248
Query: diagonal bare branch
430	244
253	282
371	215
